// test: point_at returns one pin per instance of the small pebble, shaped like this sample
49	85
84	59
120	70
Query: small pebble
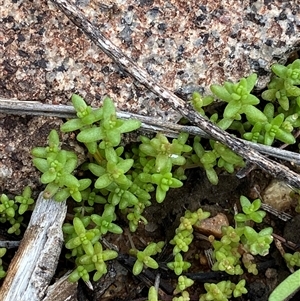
213	225
277	195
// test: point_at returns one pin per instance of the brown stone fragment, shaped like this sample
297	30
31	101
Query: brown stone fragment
277	195
213	225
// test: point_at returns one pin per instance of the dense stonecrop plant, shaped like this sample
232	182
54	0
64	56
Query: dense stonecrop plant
220	156
123	179
283	86
242	115
241	243
89	252
57	166
237	247
181	241
239	100
223	291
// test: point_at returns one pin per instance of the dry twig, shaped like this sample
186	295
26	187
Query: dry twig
151	124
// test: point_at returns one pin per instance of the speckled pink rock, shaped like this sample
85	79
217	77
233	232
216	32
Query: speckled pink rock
186	45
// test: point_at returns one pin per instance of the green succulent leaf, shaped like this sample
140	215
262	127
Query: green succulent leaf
269	95
41	164
251	81
96	169
212	176
280	70
39	152
221	92
151	263
253	114
137	267
53	138
103	181
225	123
244	202
232	108
285	137
79	227
50	190
78	103
129	126
91	135
71	125
108	107
62	195
160	194
48	177
125	165
69	181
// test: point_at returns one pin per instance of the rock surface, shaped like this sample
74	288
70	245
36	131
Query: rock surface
185	45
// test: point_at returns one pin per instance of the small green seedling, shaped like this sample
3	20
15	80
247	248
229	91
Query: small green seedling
251	211
144	258
178	265
292	260
183	283
12	210
223	290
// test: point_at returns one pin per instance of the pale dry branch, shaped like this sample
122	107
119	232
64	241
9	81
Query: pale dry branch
150	124
62	290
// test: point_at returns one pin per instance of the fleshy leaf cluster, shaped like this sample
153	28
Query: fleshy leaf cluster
12	210
223	291
283	85
239	99
292	260
57	166
144	258
227	251
220	156
181	241
85	246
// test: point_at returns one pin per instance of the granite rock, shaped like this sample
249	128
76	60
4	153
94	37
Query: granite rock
185	45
